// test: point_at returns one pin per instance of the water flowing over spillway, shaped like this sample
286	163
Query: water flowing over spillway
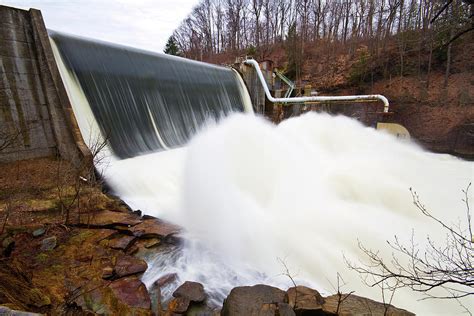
249	193
146	102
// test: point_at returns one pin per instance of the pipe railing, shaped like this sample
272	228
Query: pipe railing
369	97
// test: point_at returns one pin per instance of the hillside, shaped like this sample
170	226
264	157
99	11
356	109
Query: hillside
416	53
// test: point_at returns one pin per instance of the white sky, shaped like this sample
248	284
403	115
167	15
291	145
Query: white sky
145	24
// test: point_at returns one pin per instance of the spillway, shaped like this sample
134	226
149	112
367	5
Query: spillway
250	194
146	102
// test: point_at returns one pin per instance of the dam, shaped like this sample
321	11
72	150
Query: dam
185	146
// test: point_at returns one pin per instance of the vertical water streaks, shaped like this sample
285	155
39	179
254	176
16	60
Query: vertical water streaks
147	102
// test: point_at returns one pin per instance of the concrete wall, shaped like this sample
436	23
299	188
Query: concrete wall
34	108
256	92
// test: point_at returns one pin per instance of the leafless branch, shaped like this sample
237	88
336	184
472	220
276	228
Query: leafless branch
447	266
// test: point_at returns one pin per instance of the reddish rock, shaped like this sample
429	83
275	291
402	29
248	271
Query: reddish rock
178	305
191	291
165	280
122	242
131	291
154	228
128	265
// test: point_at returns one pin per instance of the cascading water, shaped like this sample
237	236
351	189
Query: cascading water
247	192
146	102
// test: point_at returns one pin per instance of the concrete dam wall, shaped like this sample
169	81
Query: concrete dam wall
36	118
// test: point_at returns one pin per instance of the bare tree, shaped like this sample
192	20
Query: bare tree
448	266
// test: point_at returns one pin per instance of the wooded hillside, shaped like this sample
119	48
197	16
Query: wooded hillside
418	53
257	27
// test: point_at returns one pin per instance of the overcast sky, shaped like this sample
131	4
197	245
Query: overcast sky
145	24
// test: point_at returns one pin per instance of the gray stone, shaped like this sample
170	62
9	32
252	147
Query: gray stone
48	243
39	232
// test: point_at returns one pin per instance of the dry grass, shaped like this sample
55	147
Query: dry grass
37	191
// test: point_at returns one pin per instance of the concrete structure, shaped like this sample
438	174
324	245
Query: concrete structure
36	118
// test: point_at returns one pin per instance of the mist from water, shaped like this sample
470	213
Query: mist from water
250	194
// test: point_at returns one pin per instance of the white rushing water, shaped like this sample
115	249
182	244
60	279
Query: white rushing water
249	193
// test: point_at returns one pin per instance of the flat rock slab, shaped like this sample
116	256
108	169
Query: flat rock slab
154	228
110	219
355	305
128	265
121	242
132	292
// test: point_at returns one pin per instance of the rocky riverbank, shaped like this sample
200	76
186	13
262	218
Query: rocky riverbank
65	251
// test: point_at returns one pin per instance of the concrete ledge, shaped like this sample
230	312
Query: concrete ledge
32	95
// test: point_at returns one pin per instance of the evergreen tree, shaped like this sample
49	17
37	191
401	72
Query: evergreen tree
171	47
293	53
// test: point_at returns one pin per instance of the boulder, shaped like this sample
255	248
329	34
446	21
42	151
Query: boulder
305	300
191	291
128	265
186	295
131	291
251	300
355	305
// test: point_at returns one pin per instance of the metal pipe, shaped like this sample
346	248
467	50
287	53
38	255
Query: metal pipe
370	97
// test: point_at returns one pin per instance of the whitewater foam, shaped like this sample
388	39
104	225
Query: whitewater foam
249	193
